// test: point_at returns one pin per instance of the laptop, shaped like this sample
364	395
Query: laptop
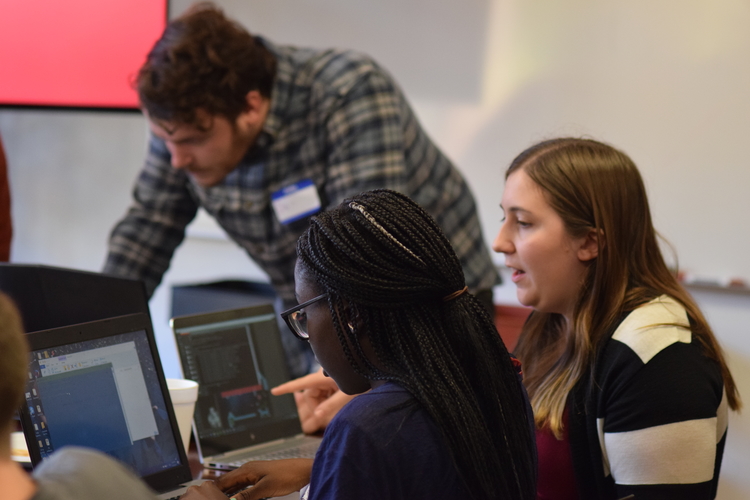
236	357
101	385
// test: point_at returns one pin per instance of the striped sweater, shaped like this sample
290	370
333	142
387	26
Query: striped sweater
654	422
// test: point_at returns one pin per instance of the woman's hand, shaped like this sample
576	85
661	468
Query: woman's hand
204	491
271	478
318	400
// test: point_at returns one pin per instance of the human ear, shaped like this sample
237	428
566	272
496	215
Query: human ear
253	99
255	107
589	247
345	317
351	320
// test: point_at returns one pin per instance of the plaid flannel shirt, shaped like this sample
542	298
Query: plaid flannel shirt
336	118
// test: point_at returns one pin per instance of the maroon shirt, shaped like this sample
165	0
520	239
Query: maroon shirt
556	477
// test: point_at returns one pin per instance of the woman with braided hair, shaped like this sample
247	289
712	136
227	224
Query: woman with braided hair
385	308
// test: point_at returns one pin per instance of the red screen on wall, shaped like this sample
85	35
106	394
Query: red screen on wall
75	53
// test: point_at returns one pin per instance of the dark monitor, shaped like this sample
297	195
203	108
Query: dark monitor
51	297
219	296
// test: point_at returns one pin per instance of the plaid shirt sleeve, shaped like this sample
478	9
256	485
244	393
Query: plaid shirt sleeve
142	243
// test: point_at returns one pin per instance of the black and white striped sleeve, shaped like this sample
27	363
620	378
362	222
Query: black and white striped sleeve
662	412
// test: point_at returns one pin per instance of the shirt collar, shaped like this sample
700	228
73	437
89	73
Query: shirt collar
279	91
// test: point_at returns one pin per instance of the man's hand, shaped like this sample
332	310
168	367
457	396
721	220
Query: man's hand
318	400
272	478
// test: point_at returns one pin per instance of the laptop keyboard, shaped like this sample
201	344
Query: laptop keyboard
305	450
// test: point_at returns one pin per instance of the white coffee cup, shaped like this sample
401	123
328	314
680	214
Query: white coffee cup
184	393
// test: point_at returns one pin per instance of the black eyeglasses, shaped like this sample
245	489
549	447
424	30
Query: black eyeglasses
296	318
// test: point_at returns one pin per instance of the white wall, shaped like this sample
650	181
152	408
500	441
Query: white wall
668	82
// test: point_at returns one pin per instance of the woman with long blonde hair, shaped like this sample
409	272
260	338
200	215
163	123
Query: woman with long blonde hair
629	387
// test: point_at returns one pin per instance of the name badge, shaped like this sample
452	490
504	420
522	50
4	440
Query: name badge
296	201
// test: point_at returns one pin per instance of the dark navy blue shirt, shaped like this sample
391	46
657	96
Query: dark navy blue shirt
383	445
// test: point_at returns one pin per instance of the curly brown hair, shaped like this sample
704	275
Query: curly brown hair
206	61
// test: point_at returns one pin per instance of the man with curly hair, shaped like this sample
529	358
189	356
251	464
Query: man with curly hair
263	136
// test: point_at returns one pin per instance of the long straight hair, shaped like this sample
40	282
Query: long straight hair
390	272
592	185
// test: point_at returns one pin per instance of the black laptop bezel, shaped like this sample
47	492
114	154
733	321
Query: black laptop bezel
220	445
55	337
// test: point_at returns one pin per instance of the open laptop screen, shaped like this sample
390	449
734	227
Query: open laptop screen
99	385
236	357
